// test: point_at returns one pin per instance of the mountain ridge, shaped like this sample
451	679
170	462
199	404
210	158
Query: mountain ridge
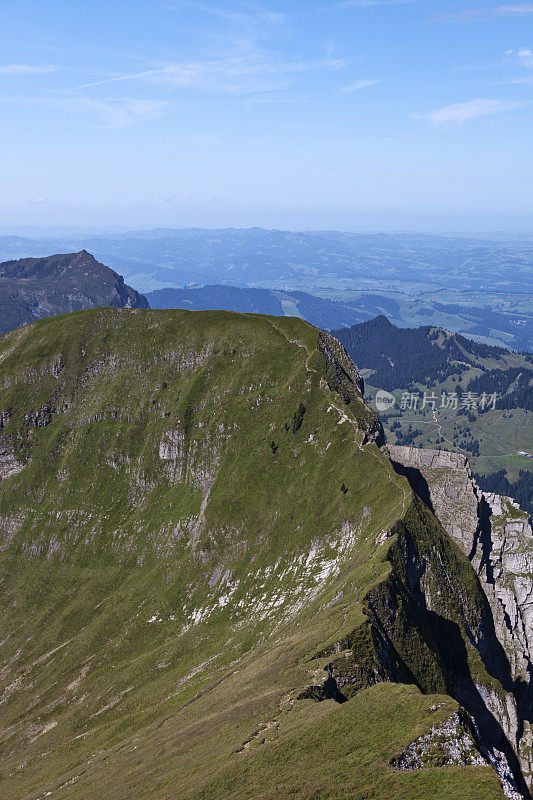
400	357
199	530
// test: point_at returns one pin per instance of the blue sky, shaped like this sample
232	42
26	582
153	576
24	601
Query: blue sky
348	114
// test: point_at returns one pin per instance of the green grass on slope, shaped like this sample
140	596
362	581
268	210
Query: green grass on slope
305	752
196	518
354	743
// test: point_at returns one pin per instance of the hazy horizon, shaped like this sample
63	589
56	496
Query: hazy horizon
486	227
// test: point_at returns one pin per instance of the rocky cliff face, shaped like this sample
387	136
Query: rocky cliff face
34	288
498	539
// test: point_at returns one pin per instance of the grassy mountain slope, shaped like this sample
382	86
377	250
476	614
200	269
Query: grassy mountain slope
199	534
33	288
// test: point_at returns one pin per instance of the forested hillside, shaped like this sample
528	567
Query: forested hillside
318	311
451	392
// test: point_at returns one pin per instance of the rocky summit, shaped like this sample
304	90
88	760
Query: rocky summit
217	582
34	288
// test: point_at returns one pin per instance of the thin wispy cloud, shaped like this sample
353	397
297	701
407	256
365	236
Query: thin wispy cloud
27	69
228	9
241	67
254	21
524	55
240	71
108	113
369	3
505	10
457	114
524	58
251	72
361	84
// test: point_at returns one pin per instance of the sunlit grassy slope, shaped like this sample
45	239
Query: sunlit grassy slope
193	516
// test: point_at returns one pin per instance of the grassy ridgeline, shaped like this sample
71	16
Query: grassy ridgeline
196	523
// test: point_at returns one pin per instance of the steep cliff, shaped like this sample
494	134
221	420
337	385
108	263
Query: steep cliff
498	539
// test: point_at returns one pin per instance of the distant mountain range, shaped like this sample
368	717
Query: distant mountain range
261	257
318	311
471	285
34	288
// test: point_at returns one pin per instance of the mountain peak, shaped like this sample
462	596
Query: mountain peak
33	288
380	321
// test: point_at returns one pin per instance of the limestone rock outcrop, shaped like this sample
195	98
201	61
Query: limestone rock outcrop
498	538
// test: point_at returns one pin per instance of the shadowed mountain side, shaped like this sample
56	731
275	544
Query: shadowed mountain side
34	288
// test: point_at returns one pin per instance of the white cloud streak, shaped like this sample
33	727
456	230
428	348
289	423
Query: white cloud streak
26	69
241	13
524	57
457	114
246	73
506	10
361	84
110	113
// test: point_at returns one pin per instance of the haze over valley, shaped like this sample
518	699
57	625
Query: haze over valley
480	287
